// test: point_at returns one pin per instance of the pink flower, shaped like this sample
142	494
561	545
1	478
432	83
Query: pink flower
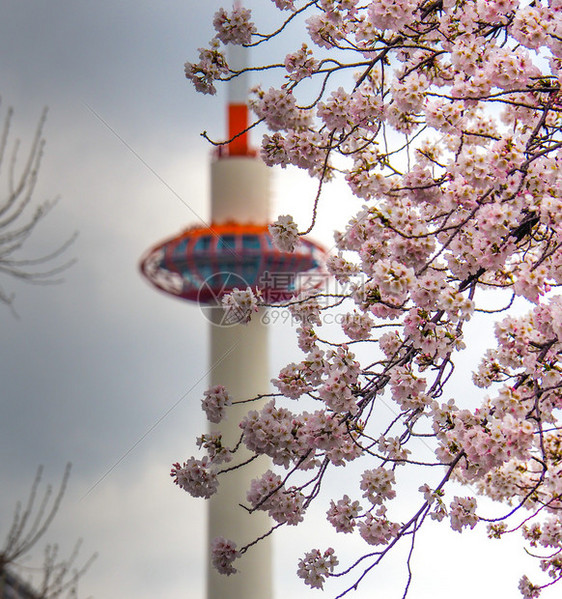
378	530
342	514
278	107
315	567
274	432
377	485
211	66
196	477
285	233
292	382
449	134
269	494
239	305
357	326
223	553
215	402
235	28
391	15
462	513
301	64
284	4
528	589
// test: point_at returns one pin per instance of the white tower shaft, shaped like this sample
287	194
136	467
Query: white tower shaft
239	361
244	372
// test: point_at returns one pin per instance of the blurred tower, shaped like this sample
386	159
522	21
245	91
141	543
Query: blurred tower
203	264
240	192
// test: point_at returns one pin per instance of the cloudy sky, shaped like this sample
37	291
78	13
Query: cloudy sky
102	370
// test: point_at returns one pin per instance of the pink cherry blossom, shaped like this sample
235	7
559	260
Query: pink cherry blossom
234	28
285	233
278	107
223	553
314	567
239	305
377	485
377	530
462	513
439	124
301	64
527	589
215	402
196	477
283	505
342	514
211	66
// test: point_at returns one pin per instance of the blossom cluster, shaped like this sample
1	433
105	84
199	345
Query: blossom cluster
342	515
223	552
195	477
215	402
234	28
306	438
314	567
239	305
444	119
269	494
284	232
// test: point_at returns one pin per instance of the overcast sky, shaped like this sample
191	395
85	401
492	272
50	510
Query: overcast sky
102	370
